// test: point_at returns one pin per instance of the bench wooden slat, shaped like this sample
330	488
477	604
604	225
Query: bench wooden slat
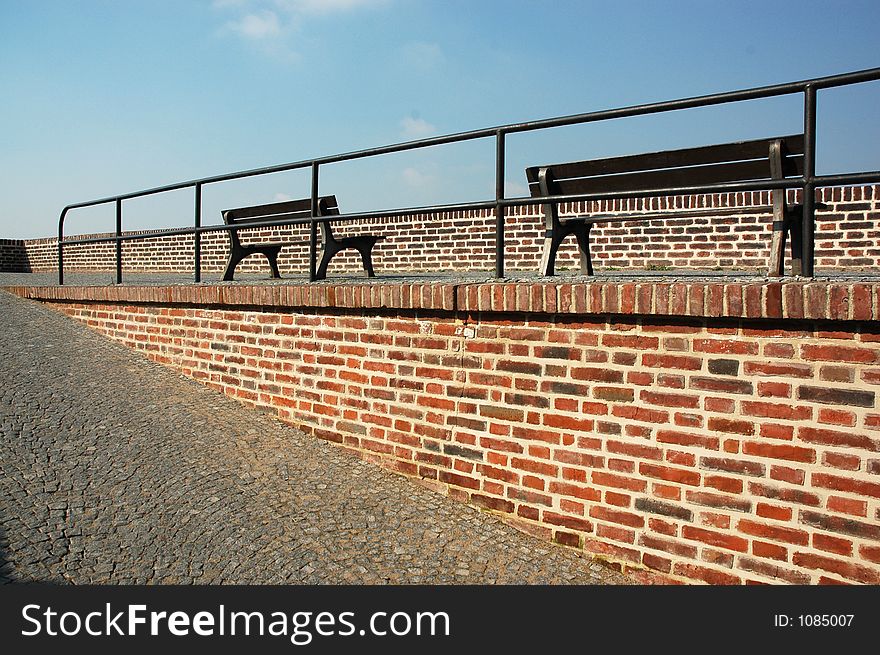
691	176
725	152
284	209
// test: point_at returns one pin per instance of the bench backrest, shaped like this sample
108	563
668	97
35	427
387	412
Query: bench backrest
327	206
727	162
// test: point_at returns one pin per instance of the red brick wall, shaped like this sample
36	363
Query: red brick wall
719	433
847	237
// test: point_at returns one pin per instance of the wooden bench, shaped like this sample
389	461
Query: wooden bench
330	244
764	159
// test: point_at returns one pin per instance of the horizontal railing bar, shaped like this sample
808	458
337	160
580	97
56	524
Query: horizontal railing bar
468	206
757	185
842	179
697	101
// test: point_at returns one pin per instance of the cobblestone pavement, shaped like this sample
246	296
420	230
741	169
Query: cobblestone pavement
117	470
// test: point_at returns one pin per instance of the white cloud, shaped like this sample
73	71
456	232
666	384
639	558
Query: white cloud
327	6
258	26
223	4
416	178
413	127
281	197
513	189
423	57
274	24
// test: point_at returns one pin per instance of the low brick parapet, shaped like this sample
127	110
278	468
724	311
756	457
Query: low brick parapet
821	300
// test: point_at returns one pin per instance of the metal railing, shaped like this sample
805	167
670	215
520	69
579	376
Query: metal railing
808	182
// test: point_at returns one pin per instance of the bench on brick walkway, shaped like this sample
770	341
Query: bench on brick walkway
763	159
330	244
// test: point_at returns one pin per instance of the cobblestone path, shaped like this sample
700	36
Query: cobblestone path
117	470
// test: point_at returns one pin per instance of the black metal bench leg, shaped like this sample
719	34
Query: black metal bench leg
328	252
235	256
548	256
366	251
273	263
583	238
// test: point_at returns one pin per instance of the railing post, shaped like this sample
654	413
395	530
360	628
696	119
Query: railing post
499	208
808	226
61	247
197	236
313	226
119	241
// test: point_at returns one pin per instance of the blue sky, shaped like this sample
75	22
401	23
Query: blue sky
106	97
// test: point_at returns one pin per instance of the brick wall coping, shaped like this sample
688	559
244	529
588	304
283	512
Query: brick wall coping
835	301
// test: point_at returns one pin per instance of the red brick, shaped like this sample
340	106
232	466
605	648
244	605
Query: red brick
668	546
784	494
596	374
540	468
459	480
786	474
680	362
617	516
567	539
733	466
771	570
832	544
670	399
681	476
575	491
836	438
568	422
687	439
586	460
571	522
656	562
726	346
731	426
636	413
847	506
838	354
776	410
711	576
630	341
775	512
681	458
777	370
842	461
773	532
770	551
604	479
848	570
837	417
792	453
490	502
721	540
846	484
634	450
723	483
870	553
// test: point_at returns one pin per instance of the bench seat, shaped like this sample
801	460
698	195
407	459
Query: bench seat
770	159
292	209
